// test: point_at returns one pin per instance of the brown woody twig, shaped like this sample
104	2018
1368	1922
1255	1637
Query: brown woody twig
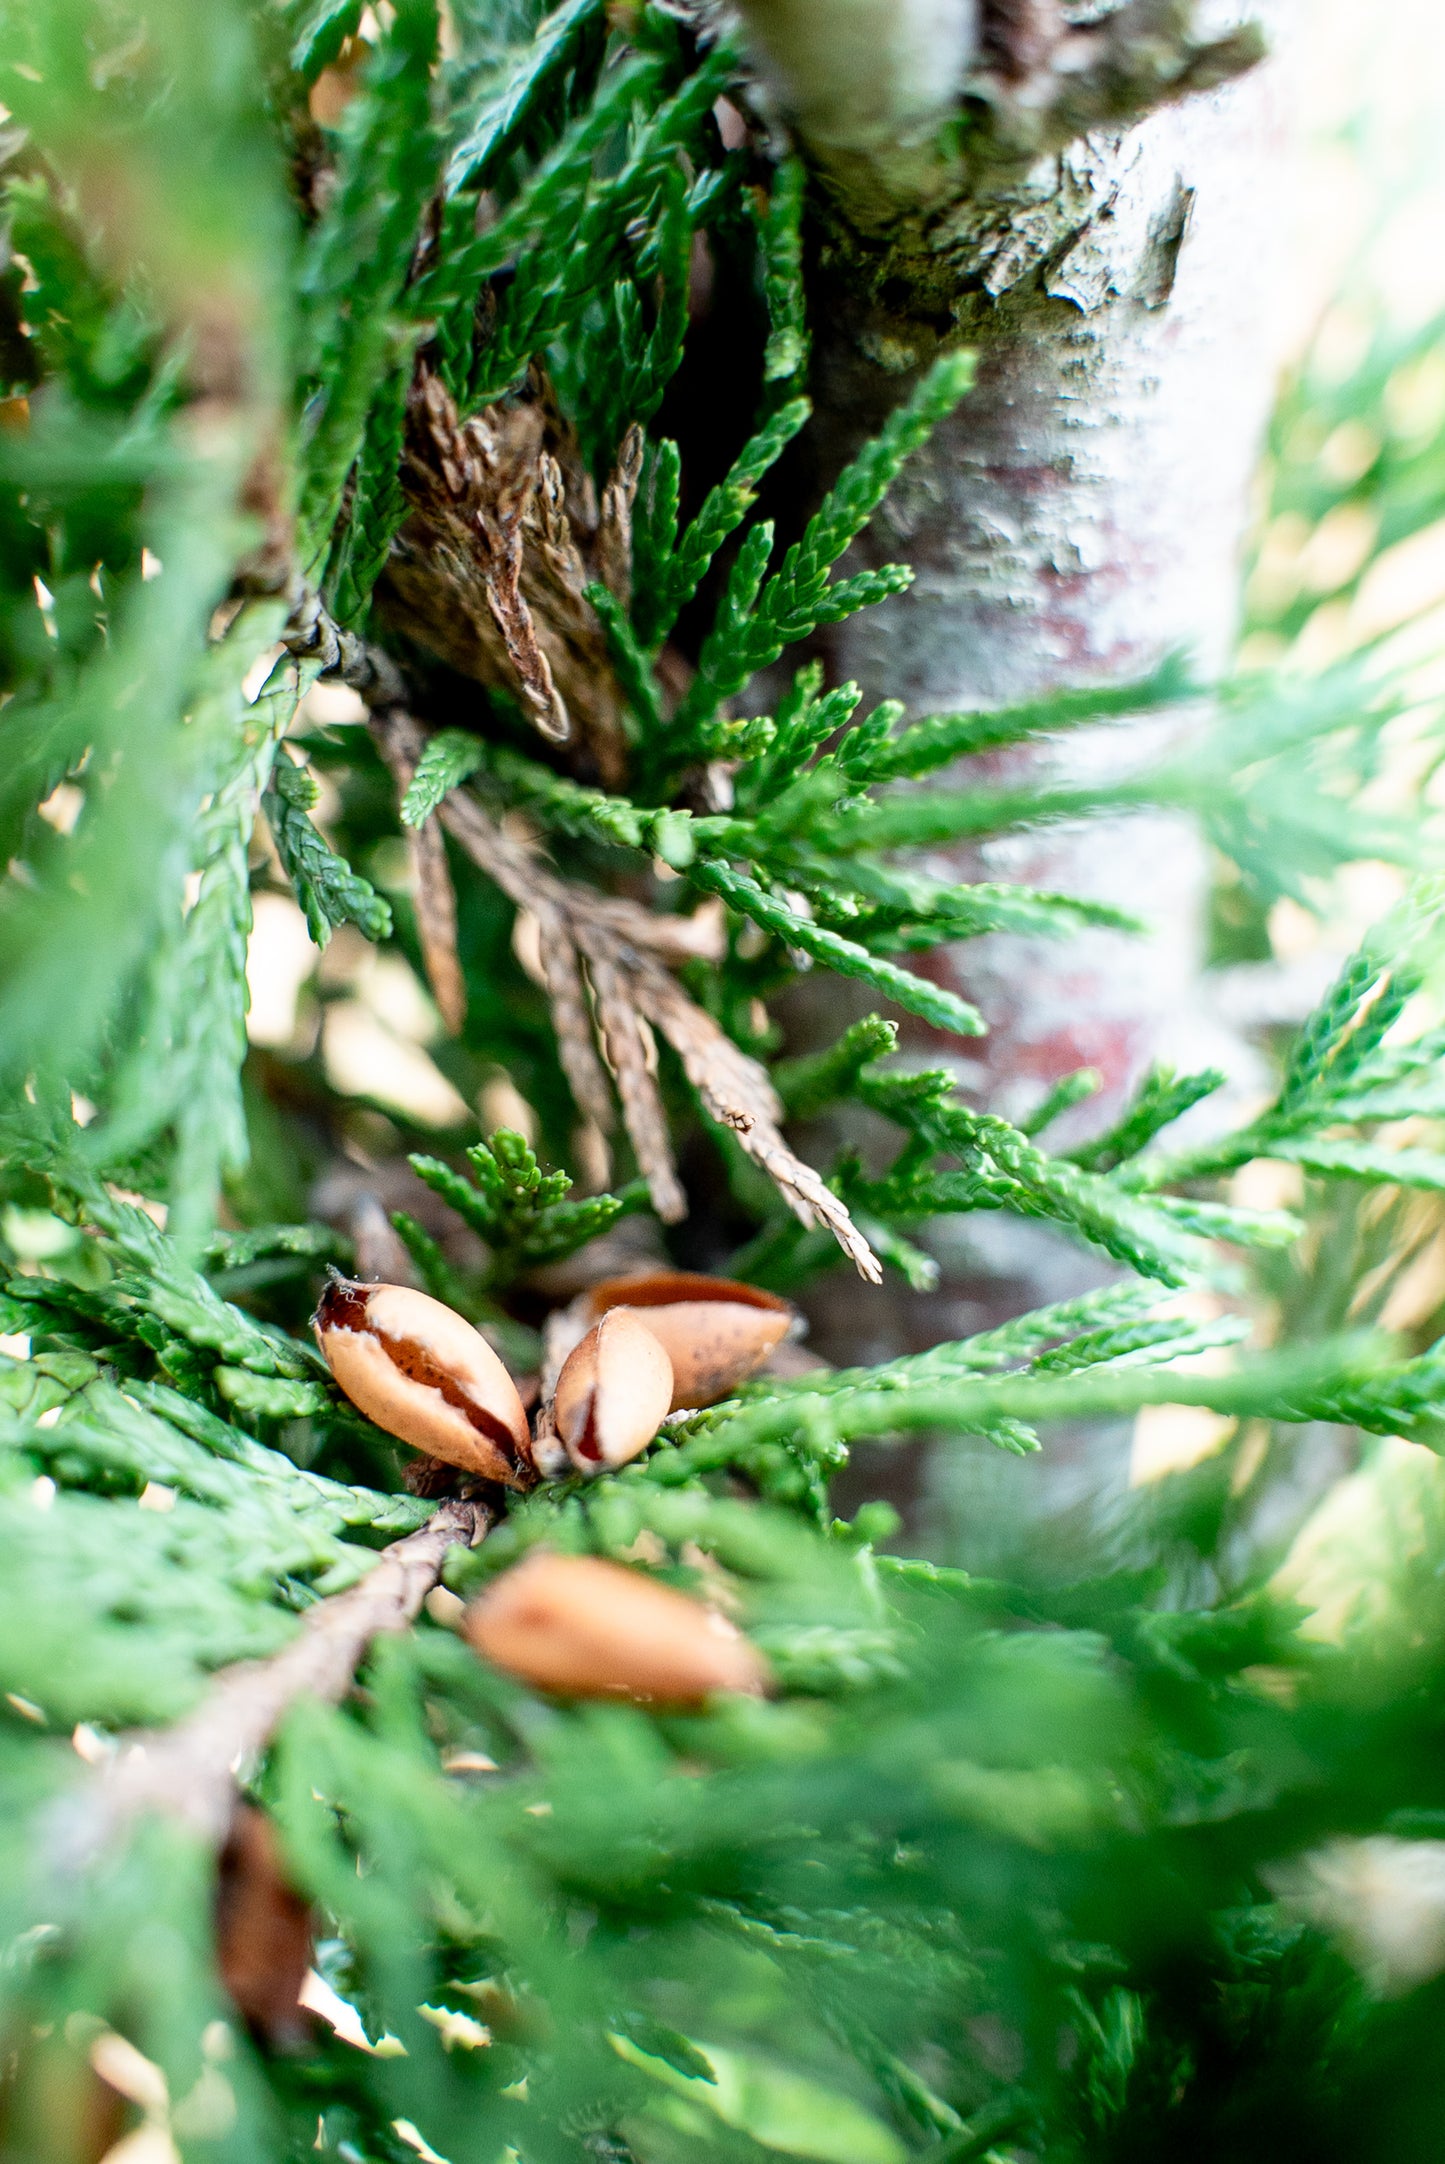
190	1772
435	902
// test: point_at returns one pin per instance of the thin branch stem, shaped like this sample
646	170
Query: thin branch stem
313	631
190	1772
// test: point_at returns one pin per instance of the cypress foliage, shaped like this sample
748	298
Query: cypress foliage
342	351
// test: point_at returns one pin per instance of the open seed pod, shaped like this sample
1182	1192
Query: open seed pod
418	1370
716	1333
590	1629
613	1393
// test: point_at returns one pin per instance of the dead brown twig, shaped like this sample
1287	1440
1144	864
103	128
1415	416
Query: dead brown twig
434	899
615	947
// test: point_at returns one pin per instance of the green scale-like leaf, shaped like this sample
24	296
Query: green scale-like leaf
931	1002
329	891
519	1210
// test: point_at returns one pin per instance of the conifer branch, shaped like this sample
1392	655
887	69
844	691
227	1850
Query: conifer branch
503	539
615	943
904	105
190	1772
313	634
1021	1814
329	891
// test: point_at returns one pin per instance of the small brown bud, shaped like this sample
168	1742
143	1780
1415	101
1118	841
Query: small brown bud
418	1370
263	1932
715	1332
549	1454
590	1629
613	1393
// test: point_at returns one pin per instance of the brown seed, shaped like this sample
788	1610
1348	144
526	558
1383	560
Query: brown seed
715	1332
590	1629
263	1932
418	1370
613	1393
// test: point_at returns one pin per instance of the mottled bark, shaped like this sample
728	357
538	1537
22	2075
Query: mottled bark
1080	517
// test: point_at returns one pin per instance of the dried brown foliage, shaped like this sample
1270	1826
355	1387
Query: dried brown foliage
434	899
490	570
617	951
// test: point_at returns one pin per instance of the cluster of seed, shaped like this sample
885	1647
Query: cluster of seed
626	1354
616	1362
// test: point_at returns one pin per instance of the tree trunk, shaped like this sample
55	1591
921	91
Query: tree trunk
1079	518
